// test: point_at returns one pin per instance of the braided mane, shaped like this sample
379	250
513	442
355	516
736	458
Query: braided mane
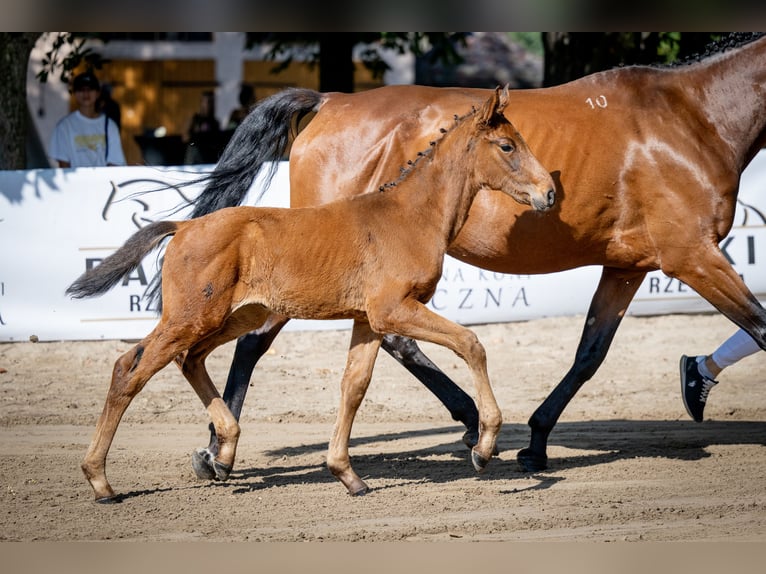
412	164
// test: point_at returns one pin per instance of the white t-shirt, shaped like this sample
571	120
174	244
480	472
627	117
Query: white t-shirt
82	141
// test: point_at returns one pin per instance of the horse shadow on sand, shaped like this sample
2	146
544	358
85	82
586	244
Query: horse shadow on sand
447	459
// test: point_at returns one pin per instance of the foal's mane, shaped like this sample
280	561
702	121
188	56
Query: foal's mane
404	172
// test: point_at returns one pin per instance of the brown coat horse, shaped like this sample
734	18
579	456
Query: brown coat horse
647	163
375	258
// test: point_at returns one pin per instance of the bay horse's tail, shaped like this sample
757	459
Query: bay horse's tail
98	280
263	136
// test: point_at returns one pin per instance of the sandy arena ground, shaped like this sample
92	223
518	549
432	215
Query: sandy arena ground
626	462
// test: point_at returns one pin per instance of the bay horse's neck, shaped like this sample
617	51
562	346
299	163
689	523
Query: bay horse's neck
440	187
731	88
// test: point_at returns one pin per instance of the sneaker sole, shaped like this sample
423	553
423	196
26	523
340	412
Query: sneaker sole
682	366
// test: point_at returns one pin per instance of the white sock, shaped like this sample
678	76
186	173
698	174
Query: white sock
702	368
735	348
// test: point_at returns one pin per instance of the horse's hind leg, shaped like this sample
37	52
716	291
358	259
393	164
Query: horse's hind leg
613	295
131	372
713	278
356	378
458	402
249	349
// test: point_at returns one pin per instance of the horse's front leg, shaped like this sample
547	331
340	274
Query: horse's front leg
248	351
458	402
356	378
613	295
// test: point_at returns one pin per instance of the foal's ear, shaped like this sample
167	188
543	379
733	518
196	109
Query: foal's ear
493	107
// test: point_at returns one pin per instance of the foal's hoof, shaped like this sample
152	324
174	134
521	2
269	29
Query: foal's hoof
479	462
471	439
359	492
202	463
357	487
109	500
222	471
530	461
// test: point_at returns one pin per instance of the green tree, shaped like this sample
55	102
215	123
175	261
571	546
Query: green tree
571	55
15	48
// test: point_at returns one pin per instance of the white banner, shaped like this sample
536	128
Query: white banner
56	223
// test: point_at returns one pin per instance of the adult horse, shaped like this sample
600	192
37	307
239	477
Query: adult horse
647	162
225	273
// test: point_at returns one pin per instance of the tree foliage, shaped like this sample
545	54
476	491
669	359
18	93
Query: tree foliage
332	52
571	55
74	54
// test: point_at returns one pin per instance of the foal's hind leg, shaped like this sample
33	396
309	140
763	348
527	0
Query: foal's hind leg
356	378
249	349
131	372
413	319
224	424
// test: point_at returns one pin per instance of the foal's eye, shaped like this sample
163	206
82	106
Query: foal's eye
506	147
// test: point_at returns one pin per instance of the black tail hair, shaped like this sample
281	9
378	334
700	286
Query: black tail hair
125	260
263	136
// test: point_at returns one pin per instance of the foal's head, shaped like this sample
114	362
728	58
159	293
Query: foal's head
503	161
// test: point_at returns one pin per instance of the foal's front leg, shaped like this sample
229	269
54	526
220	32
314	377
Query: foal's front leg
356	378
413	319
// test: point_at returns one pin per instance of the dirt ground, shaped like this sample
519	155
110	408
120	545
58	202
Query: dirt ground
625	461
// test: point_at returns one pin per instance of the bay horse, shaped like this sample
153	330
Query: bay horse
647	161
374	258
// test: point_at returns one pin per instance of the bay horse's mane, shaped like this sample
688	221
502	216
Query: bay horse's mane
714	48
719	46
404	172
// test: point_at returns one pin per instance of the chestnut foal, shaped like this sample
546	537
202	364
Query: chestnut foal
375	258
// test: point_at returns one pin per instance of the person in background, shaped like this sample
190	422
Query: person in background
86	137
203	132
246	101
698	373
108	105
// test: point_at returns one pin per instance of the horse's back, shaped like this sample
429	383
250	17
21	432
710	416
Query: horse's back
621	144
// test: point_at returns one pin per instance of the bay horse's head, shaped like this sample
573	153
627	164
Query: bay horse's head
504	161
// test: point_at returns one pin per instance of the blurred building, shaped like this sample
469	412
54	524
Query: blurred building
157	78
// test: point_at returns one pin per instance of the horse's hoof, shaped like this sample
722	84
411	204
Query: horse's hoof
360	492
529	461
109	500
479	462
202	463
222	471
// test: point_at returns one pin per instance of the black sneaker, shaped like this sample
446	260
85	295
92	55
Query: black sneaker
694	387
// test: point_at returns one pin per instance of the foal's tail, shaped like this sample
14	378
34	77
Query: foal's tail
263	136
125	260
